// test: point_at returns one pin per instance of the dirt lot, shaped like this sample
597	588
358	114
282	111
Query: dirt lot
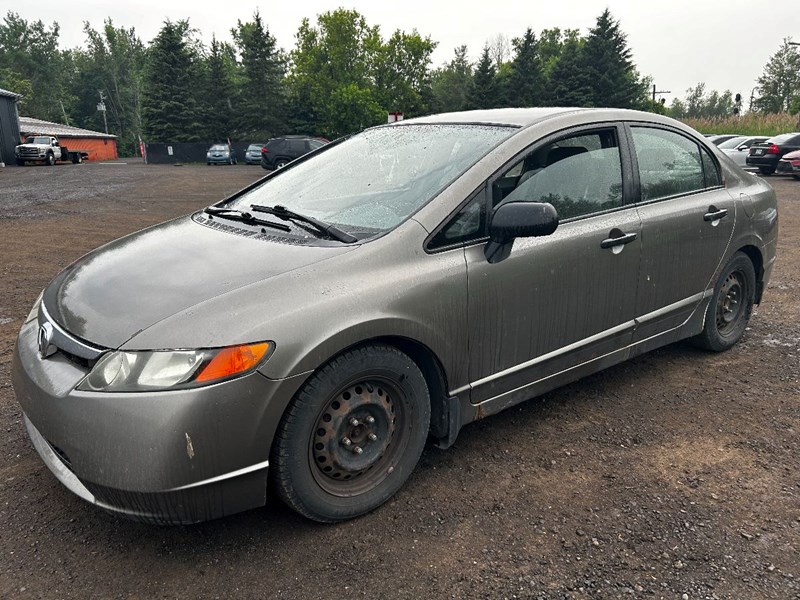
676	475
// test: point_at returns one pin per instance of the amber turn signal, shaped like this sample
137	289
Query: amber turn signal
232	361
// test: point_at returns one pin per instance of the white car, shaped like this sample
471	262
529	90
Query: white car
737	148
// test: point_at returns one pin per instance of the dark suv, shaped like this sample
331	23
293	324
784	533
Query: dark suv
281	150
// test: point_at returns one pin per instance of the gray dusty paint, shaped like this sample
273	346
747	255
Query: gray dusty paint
556	309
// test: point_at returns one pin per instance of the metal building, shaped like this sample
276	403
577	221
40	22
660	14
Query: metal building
9	126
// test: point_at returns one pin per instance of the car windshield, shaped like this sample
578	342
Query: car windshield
218	148
374	180
732	143
38	140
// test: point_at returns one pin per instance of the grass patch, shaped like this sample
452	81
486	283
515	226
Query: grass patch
749	124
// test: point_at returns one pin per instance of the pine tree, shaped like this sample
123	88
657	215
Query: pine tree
217	101
607	60
569	84
169	107
261	111
484	92
451	83
524	84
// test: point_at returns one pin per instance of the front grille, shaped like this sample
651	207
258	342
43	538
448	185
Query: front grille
78	361
29	152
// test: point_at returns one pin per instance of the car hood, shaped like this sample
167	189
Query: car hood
124	287
792	155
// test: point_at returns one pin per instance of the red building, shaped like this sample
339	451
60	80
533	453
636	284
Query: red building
100	146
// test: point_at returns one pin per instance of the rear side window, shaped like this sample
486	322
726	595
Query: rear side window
296	146
669	163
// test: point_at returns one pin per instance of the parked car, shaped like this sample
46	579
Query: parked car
789	164
738	148
312	331
221	154
765	156
252	155
717	139
280	151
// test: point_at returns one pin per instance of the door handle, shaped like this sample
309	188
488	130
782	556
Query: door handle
714	215
618	240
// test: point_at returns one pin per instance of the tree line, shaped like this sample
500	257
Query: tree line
341	76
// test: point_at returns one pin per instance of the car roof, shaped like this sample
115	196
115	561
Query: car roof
525	117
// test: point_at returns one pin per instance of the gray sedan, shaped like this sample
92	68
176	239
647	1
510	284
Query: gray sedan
308	334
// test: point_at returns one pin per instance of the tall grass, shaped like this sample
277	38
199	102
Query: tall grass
749	124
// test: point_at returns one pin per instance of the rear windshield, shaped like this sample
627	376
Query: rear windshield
732	143
782	139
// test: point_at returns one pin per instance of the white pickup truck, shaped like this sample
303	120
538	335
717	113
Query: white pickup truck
46	149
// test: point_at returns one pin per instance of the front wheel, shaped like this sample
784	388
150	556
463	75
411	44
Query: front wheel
766	170
20	163
49	160
729	311
352	435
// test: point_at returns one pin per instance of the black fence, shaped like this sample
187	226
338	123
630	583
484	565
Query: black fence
186	152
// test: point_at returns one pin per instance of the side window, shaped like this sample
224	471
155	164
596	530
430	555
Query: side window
710	170
296	146
314	144
578	175
669	163
468	224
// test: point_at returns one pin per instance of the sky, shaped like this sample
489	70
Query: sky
679	43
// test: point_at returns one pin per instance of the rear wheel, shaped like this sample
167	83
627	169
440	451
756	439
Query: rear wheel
280	163
729	311
352	435
766	170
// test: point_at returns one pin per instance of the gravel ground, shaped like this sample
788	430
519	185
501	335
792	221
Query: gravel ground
674	475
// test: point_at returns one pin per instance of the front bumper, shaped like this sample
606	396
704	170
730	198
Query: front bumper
219	160
171	457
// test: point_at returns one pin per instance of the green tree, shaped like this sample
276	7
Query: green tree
606	58
333	64
523	86
113	63
451	83
30	57
261	110
401	73
779	84
570	84
484	91
218	102
171	80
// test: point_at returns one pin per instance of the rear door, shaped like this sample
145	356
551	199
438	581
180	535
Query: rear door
687	221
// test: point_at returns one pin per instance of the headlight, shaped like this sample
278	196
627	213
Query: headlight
35	310
172	369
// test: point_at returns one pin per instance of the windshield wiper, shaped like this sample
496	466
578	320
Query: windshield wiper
288	215
244	217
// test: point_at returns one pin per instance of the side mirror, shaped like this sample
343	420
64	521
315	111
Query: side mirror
742	148
518	219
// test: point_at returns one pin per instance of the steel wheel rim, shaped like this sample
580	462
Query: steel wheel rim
359	436
731	303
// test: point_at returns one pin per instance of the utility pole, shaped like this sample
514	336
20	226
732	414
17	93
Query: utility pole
102	108
655	91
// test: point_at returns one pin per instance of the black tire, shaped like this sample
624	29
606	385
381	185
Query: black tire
797	177
49	160
352	435
766	170
280	163
20	163
729	311
77	158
